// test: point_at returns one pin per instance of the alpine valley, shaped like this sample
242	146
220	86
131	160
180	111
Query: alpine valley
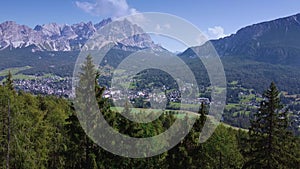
42	60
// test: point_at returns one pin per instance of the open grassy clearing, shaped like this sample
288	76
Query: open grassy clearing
19	76
178	113
232	105
14	70
181	114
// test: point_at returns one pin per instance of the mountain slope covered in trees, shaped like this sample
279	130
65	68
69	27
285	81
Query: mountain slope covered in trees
44	132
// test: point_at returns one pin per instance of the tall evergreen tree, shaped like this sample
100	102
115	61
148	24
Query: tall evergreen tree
270	141
85	94
221	150
203	116
75	153
9	82
89	94
7	95
199	152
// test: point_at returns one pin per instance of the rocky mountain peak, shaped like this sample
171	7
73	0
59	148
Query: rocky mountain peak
102	23
62	37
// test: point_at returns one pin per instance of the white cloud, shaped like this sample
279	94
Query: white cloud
216	32
168	26
158	28
106	8
200	40
164	27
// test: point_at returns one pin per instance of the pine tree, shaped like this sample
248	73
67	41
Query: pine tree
9	82
270	141
221	150
75	153
199	153
89	96
203	116
7	95
85	95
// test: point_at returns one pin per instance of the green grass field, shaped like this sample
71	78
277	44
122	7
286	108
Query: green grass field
15	71
178	113
181	114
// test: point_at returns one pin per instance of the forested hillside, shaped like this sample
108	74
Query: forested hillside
44	132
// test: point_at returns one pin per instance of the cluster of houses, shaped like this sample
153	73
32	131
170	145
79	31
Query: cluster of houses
46	86
159	97
55	85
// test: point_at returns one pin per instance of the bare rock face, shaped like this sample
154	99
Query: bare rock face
56	37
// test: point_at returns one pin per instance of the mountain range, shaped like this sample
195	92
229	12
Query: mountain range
56	37
258	54
275	42
254	56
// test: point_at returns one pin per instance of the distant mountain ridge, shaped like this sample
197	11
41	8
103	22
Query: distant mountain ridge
56	37
275	42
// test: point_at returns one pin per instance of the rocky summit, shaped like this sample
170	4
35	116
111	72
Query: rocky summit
62	37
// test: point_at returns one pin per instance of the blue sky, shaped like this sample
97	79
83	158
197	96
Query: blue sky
216	18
